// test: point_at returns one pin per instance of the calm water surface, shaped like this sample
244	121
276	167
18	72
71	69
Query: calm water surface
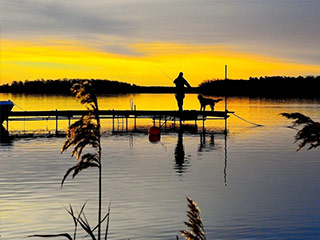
250	185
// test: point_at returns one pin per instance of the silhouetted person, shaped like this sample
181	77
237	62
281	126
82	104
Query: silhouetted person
180	82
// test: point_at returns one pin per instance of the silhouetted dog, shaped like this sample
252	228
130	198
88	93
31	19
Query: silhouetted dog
207	101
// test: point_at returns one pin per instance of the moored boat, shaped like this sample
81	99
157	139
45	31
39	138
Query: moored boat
5	109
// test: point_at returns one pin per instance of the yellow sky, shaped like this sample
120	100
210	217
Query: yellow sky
146	64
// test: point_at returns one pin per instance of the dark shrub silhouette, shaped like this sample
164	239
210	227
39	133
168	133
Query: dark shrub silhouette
310	132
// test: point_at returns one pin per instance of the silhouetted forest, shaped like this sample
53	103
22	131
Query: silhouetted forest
62	86
276	86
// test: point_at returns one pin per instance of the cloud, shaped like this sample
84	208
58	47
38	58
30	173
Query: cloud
287	27
51	18
73	59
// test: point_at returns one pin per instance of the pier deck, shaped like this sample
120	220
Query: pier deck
109	113
158	116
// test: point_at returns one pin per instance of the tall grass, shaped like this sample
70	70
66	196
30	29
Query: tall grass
196	229
309	134
83	133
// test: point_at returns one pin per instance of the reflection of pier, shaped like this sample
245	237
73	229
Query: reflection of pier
159	118
182	162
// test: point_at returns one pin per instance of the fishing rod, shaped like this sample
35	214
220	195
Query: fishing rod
165	73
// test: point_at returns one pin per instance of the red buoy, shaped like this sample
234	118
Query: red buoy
154	131
154	134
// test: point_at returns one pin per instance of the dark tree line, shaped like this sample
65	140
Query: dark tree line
276	86
62	86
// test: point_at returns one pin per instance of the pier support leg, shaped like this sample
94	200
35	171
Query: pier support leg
126	123
135	119
68	121
113	123
8	125
57	122
203	128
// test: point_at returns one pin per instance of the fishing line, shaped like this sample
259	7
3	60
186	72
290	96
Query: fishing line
258	125
165	73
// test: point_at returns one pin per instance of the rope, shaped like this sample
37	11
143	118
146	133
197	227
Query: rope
19	107
26	110
258	125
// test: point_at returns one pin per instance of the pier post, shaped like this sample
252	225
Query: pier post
225	88
113	121
8	124
56	122
225	99
126	123
203	128
135	119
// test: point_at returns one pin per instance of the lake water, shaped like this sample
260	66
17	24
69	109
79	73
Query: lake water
251	184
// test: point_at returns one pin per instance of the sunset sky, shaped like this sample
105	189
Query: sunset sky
149	42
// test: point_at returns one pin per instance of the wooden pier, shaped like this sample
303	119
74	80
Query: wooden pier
159	117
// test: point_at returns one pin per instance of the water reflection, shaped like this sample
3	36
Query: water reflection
225	159
182	162
204	146
207	144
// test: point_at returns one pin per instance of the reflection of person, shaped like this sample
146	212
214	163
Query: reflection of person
179	154
180	82
182	161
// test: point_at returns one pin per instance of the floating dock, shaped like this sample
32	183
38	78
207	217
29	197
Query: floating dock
160	118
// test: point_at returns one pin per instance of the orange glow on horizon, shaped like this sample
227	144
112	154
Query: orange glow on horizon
21	60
